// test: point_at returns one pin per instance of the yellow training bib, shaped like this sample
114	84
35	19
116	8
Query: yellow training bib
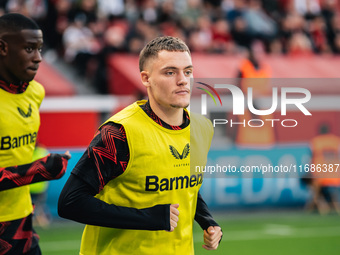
19	125
158	172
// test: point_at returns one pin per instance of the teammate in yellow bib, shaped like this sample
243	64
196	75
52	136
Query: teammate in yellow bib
133	186
20	98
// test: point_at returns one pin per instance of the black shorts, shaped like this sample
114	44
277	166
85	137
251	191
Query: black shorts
19	237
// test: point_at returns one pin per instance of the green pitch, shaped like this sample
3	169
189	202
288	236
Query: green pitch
255	234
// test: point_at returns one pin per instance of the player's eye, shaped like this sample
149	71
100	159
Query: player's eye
29	49
188	72
170	73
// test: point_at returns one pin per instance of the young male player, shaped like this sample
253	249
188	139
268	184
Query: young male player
133	187
20	97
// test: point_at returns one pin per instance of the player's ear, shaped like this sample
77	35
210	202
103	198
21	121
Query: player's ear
3	47
144	75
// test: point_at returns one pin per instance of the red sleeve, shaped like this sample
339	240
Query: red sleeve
106	157
51	167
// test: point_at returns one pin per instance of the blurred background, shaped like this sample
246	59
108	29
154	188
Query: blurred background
90	71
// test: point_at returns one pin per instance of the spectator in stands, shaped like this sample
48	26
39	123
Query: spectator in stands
81	45
192	12
166	13
328	9
318	33
275	47
273	8
57	20
236	11
240	33
86	10
142	29
294	36
168	20
260	25
336	44
307	7
36	9
333	33
114	41
131	11
299	45
200	40
223	26
108	8
221	37
149	11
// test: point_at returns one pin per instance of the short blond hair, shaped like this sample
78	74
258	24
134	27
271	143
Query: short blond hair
158	44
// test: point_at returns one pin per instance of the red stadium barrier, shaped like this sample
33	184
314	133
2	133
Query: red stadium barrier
68	129
55	84
71	122
124	78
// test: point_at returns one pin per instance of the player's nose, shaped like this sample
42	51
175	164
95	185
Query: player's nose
182	79
37	57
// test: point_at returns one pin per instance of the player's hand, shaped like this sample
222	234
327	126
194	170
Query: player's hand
56	164
173	216
212	237
66	155
65	158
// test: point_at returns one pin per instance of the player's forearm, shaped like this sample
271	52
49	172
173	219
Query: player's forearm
53	166
203	216
77	202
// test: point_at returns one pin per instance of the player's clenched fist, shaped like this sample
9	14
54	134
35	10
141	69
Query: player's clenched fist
55	164
212	237
173	216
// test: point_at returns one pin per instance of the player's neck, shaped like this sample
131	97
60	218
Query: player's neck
13	88
170	115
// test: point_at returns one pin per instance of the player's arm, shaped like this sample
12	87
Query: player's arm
51	167
212	232
203	216
77	202
104	160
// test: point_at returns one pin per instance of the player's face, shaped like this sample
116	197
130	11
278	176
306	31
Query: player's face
167	79
22	55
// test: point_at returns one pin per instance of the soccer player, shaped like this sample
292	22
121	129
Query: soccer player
21	41
133	187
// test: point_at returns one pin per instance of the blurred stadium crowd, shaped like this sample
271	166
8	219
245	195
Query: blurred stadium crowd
85	32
